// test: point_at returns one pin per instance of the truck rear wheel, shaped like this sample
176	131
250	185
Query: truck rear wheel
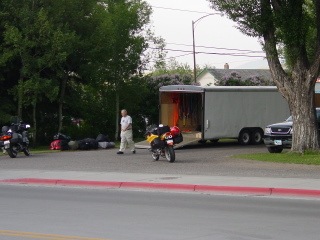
275	149
257	136
245	137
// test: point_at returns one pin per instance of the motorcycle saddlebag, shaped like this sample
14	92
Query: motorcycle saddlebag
178	139
162	130
16	138
157	143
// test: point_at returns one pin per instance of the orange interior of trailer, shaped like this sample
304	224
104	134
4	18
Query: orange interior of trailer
182	110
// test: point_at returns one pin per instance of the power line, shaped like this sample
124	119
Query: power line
219	48
182	10
210	53
179	55
228	49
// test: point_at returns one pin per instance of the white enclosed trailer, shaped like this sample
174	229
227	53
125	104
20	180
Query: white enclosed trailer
212	113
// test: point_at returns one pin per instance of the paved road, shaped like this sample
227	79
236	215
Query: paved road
205	160
127	215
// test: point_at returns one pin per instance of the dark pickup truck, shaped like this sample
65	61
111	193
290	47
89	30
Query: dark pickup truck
279	136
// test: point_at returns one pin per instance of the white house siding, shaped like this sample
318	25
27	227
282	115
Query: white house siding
206	79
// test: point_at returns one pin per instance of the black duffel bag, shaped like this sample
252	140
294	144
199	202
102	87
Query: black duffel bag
61	136
88	144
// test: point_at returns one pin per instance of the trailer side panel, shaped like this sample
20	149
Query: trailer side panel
228	112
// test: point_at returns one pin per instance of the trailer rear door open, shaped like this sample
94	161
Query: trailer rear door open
182	106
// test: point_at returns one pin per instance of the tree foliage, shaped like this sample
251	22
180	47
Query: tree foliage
65	60
294	27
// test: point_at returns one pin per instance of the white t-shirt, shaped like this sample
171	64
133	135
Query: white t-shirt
125	121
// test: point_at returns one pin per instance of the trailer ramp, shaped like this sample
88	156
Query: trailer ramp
188	138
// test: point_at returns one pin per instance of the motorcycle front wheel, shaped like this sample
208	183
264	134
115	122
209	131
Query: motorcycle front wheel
169	153
12	151
26	151
155	156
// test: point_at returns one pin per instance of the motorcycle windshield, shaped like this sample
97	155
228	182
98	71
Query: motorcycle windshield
15	119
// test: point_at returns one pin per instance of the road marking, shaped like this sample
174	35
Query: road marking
44	236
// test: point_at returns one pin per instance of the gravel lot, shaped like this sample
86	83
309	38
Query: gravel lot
205	159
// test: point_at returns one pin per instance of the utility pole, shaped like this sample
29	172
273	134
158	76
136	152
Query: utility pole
194	55
194	44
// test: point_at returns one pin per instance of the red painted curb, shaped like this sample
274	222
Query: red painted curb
166	186
239	190
169	186
295	192
89	183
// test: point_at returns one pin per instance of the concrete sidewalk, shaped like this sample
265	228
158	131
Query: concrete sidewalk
228	184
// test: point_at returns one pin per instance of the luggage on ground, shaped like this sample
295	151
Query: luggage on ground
59	145
61	136
88	144
106	144
103	138
73	145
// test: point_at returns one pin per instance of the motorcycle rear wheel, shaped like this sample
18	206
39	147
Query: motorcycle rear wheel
12	152
169	153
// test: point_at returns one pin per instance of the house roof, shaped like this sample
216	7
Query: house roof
244	73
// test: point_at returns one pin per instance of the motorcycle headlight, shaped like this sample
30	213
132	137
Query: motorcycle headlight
267	130
291	130
27	126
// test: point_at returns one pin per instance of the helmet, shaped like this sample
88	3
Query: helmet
175	131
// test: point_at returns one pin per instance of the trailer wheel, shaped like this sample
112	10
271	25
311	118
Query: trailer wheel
245	137
257	136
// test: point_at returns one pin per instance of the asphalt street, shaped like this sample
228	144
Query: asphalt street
127	215
193	160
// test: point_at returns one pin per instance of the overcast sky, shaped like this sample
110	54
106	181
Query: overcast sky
212	31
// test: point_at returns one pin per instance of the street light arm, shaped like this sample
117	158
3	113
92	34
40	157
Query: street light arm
194	45
205	17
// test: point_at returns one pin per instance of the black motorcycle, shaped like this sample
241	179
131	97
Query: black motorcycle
14	139
162	140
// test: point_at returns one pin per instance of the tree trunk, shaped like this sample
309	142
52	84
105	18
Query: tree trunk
298	90
20	96
117	116
305	127
34	116
62	96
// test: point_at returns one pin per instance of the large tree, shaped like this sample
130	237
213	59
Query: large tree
291	27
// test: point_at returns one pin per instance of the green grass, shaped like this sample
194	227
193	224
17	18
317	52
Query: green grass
228	140
41	149
308	158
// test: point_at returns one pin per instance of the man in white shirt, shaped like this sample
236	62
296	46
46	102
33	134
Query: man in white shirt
126	132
